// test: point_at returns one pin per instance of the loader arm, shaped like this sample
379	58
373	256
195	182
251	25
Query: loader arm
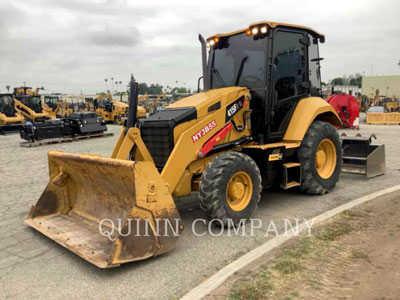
191	136
29	113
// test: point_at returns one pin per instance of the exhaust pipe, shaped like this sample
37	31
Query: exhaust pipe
206	79
133	103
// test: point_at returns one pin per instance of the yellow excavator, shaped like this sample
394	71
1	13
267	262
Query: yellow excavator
11	119
259	122
28	102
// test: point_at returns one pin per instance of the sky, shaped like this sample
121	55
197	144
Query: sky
72	46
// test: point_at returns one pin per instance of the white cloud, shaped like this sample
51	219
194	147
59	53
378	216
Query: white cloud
71	45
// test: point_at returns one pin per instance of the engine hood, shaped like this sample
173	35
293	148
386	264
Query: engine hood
204	100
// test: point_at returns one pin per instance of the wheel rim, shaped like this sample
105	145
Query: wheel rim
325	158
239	191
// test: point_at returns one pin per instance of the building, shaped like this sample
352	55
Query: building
387	85
346	89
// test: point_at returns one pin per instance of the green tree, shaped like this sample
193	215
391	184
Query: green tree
143	88
181	90
337	81
155	89
356	81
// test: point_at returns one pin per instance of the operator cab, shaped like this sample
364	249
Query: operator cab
278	63
7	105
33	102
51	102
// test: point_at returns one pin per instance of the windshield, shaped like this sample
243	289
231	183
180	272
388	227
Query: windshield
378	109
33	102
238	56
51	102
7	106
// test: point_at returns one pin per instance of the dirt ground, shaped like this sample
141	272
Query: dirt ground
355	255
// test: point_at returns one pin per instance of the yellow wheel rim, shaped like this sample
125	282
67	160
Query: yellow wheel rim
239	191
325	158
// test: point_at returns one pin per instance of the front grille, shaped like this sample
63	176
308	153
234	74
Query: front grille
158	138
158	132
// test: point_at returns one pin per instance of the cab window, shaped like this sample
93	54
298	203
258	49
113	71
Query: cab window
289	60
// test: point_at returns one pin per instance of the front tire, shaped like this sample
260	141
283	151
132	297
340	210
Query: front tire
230	188
320	156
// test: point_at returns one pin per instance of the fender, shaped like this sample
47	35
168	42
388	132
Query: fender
306	111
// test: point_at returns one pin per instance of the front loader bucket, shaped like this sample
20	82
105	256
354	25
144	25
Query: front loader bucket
360	157
108	211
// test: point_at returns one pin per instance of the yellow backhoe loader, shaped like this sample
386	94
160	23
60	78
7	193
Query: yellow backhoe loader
116	111
56	107
259	122
11	119
28	102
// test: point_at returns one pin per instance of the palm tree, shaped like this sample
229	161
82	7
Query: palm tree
112	84
106	84
8	88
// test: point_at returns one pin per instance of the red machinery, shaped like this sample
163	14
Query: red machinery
347	108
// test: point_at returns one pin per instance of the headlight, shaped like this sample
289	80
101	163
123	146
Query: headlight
254	30
264	29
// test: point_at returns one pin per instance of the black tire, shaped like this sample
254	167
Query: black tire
312	183
214	184
117	120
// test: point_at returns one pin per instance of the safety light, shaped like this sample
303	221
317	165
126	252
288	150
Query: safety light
264	29
216	40
254	30
248	32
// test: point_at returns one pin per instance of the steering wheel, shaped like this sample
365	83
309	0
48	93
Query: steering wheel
252	80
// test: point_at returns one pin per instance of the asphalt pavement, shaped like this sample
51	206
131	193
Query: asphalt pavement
33	266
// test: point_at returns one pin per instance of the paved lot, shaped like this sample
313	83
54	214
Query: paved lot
32	266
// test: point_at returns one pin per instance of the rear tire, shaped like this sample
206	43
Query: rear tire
230	188
118	120
320	156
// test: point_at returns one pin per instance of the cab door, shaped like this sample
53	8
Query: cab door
288	78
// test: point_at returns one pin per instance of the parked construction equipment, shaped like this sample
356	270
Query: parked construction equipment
28	102
360	156
11	119
76	124
56	107
116	111
347	108
254	126
377	115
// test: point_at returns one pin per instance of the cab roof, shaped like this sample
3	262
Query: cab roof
270	25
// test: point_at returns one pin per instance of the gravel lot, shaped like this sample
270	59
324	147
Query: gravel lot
32	266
